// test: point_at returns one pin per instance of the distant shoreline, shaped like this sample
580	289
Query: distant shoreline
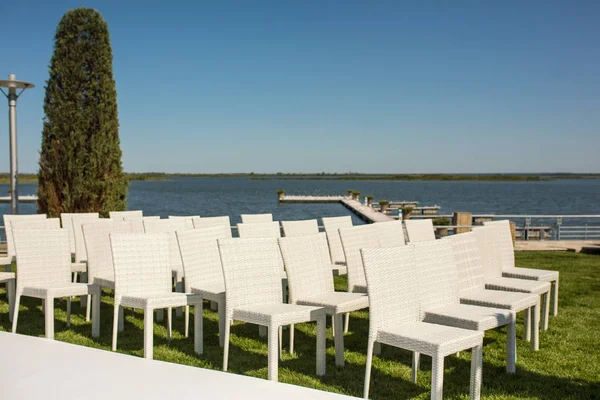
159	176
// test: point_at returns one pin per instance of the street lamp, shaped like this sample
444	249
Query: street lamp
13	84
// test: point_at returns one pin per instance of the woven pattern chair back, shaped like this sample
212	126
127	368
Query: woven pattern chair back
43	256
200	254
436	273
169	226
307	264
259	230
256	218
488	249
468	262
8	218
419	230
137	222
332	226
66	222
97	245
390	234
505	242
36	223
353	239
119	215
300	228
76	222
189	219
393	292
209	222
251	271
142	263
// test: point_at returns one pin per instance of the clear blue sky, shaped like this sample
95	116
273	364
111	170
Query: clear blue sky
464	86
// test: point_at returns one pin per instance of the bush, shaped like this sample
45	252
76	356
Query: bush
441	221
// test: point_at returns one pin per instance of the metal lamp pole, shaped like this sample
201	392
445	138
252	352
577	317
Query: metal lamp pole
13	84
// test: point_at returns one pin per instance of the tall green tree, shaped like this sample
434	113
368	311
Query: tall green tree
80	160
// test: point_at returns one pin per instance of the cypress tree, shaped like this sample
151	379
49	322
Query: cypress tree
80	159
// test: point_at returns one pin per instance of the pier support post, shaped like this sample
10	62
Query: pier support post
513	230
464	219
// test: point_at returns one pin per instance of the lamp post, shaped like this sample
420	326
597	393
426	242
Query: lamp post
12	84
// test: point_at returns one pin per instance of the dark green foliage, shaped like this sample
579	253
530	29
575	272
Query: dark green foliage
80	160
441	221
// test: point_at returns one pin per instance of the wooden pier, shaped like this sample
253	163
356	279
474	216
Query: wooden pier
366	213
22	199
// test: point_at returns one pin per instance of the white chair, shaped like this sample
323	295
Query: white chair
44	260
253	295
395	319
419	230
189	219
80	252
437	280
259	230
300	228
492	268
308	266
332	226
353	239
137	222
142	263
66	223
9	279
209	222
256	218
119	215
390	234
202	265
510	270
10	244
471	285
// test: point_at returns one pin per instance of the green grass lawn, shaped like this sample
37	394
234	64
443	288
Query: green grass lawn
566	367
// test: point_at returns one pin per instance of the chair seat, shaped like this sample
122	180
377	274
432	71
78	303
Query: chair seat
277	314
105	281
517	285
6	276
429	339
469	317
212	292
160	300
5	261
78	267
514	301
339	269
338	302
530	273
60	290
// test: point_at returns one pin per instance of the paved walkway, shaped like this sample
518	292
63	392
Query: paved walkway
555	245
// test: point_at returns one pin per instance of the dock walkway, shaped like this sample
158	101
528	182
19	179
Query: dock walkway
366	213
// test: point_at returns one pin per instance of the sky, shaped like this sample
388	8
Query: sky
333	86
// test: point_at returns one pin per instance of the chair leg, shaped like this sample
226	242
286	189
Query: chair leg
511	348
10	293
476	372
347	323
554	295
226	343
68	311
169	323
49	318
88	308
179	289
198	329
16	312
148	333
321	339
221	323
527	324
535	327
437	377
117	311
96	313
83	299
292	338
370	344
545	310
280	340
187	321
273	352
338	340
416	363
121	319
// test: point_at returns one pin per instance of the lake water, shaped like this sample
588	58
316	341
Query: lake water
235	196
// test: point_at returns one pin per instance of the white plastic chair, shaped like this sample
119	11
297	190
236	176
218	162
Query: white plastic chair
253	295
256	218
137	222
307	263
142	263
66	223
119	215
395	319
44	260
209	222
9	279
419	230
390	234
332	226
80	252
300	228
10	244
189	219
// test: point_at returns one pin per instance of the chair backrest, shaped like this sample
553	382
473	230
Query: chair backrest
391	276
468	262
8	218
169	226
437	274
259	230
209	222
353	239
391	234
488	249
36	223
504	242
119	215
66	222
251	271
137	222
189	219
43	257
200	254
307	264
419	230
96	235
256	218
332	226
142	263
76	222
300	228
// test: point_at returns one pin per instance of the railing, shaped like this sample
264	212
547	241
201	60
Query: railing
585	232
